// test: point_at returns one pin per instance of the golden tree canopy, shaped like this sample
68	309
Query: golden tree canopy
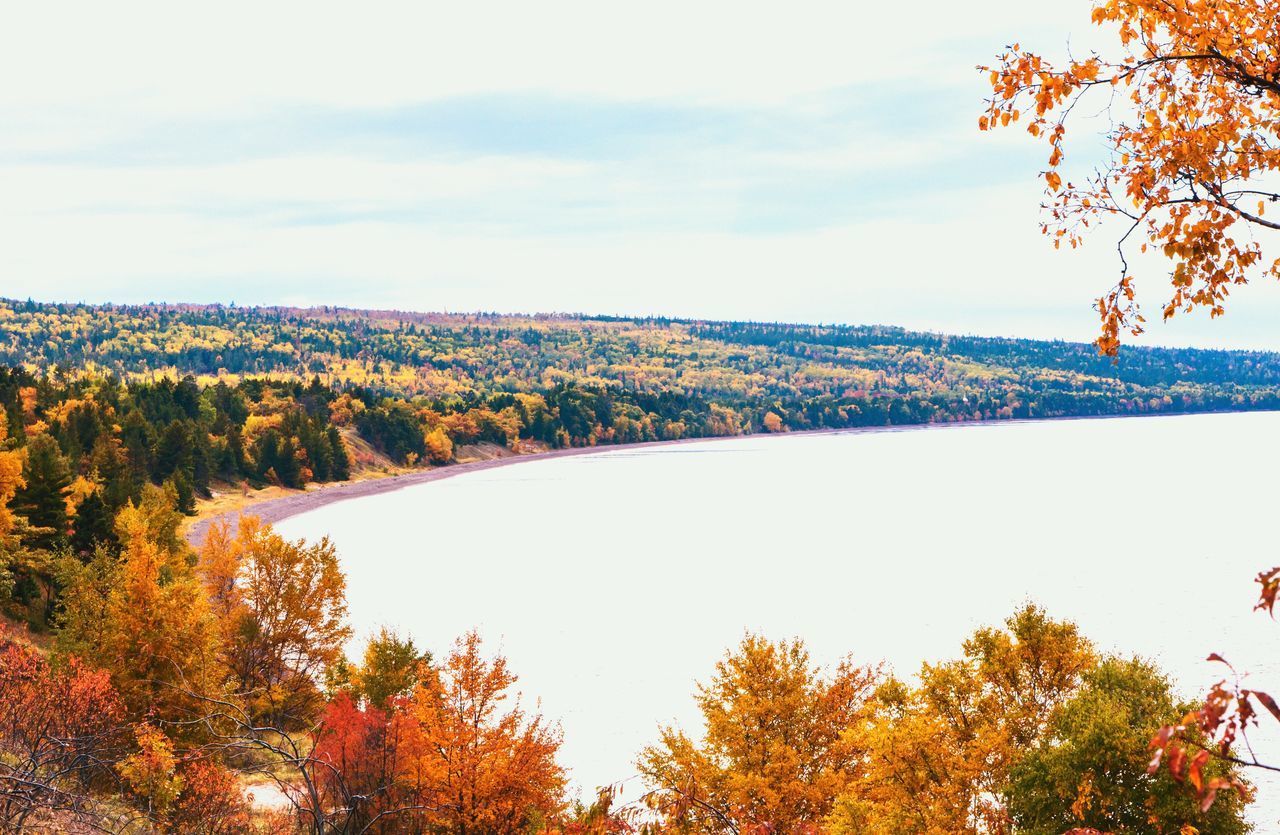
775	753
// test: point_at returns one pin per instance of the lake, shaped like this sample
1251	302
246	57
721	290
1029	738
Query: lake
613	581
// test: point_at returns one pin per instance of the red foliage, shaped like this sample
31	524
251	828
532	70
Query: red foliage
212	802
61	727
356	754
1228	713
449	755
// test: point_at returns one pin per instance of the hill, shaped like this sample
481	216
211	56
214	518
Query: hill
812	373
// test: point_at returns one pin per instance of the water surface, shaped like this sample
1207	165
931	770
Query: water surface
613	581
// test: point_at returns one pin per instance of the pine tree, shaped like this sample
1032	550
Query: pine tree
43	500
93	524
341	461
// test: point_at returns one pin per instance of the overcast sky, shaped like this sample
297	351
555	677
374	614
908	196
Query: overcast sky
799	161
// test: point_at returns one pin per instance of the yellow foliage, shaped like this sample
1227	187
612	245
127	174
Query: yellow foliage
439	446
939	753
151	772
78	491
11	480
776	752
280	609
144	617
256	425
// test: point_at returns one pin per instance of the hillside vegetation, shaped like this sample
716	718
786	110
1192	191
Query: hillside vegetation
662	376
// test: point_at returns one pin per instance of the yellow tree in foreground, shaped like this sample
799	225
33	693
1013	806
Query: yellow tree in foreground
143	618
282	610
775	751
939	755
1193	141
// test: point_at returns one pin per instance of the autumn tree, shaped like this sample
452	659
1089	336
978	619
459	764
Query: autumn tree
1193	144
774	753
939	754
150	773
212	801
476	760
358	756
221	557
143	617
282	609
61	728
359	748
439	446
11	481
160	519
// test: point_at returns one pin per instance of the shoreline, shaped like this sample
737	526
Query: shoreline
278	508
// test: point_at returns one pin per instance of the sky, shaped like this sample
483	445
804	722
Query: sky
810	161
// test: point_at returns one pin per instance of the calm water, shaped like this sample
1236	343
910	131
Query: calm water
612	582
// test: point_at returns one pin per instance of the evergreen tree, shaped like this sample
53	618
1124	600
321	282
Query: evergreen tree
137	435
173	451
341	461
93	525
43	500
186	496
232	460
287	467
110	464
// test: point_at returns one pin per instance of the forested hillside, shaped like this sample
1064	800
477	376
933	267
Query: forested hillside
635	379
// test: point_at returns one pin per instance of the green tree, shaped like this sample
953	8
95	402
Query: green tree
392	666
1090	769
173	451
43	500
109	462
341	461
93	524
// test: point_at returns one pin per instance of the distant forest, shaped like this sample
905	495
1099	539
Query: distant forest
664	375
